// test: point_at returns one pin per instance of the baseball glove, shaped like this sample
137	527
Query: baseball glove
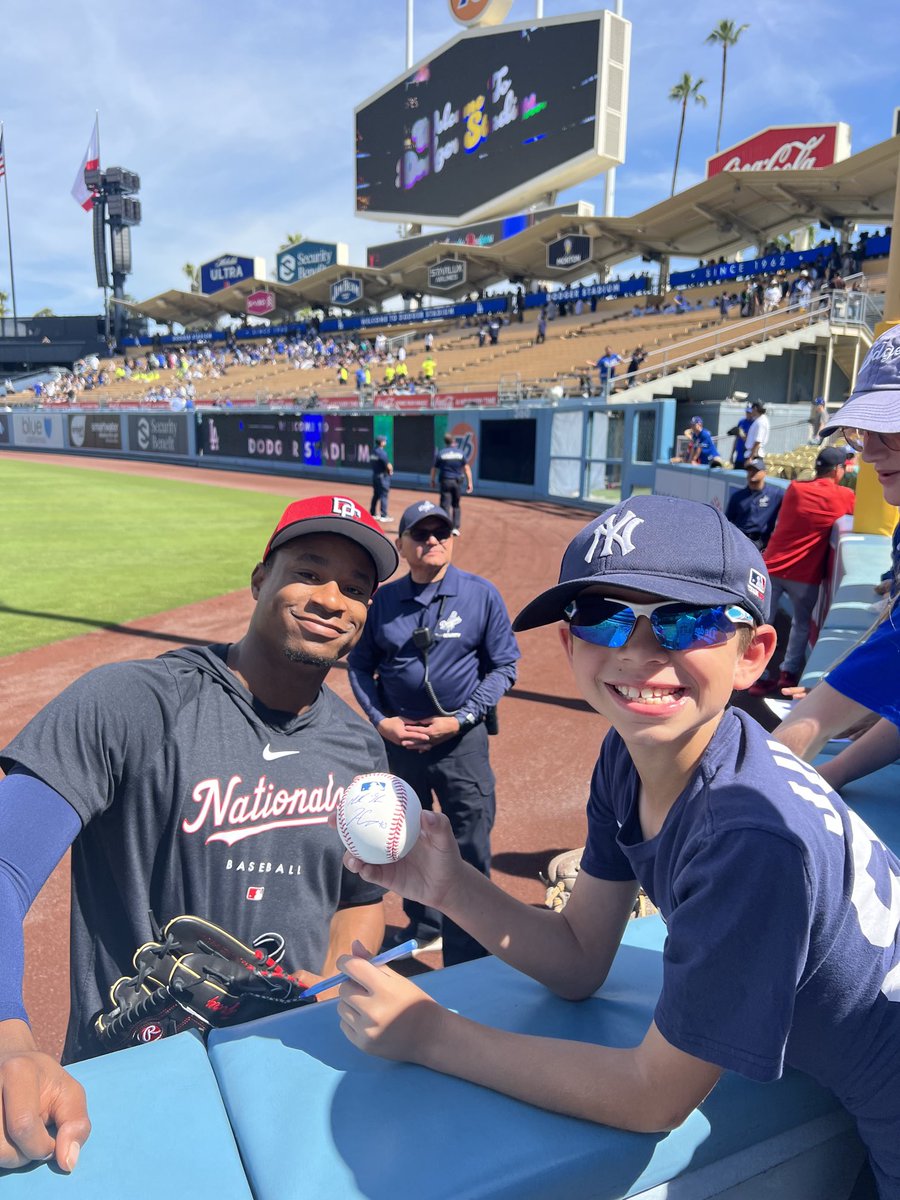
560	878
562	872
194	976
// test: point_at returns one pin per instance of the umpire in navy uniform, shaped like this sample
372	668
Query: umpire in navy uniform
449	469
382	470
436	654
754	509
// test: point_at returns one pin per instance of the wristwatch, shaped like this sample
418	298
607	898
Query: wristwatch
466	720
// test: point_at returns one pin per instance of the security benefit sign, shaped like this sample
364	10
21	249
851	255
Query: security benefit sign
302	259
95	431
447	274
157	434
346	291
568	252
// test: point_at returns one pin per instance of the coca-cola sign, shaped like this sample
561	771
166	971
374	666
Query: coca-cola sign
785	148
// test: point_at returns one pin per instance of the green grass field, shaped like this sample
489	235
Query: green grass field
81	549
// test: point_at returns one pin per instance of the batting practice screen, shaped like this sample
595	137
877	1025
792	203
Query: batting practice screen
485	116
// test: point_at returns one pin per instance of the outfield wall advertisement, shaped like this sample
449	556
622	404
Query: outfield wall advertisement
95	431
39	431
311	440
152	433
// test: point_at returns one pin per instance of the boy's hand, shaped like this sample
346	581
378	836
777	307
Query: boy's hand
35	1092
384	1014
429	873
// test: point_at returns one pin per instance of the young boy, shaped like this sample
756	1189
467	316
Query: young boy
781	907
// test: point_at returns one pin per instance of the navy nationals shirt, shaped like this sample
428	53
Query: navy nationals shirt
195	798
782	910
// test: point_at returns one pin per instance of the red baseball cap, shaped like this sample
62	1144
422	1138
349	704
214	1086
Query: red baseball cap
336	514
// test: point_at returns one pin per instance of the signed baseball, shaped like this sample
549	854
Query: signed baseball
378	817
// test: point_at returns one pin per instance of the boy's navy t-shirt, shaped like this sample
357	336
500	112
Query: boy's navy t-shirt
782	910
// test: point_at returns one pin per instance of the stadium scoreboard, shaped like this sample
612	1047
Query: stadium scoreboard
497	118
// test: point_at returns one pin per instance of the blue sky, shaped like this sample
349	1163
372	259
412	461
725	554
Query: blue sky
238	118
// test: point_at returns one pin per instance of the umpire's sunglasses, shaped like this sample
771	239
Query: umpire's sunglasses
676	626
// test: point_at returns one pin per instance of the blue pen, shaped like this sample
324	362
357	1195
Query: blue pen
401	951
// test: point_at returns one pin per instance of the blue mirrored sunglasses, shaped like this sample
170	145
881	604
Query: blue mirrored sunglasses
676	626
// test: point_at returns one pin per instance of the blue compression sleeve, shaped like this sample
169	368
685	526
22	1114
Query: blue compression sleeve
37	826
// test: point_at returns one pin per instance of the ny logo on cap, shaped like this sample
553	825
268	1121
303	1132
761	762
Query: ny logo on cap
341	507
616	530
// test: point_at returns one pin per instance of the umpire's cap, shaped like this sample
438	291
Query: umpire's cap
336	514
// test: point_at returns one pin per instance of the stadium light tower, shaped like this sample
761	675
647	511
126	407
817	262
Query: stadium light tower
116	209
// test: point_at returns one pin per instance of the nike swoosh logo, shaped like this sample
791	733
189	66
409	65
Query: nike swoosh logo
271	755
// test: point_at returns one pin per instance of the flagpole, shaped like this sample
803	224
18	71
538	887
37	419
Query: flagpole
106	321
12	274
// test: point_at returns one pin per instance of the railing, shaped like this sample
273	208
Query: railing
858	308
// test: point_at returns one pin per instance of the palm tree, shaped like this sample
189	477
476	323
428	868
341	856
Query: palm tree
3	299
290	239
725	34
45	312
685	89
191	271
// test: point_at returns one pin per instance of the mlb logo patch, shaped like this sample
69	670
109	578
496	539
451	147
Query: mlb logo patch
255	893
756	583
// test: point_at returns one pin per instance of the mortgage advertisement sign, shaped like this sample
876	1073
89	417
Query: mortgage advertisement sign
95	431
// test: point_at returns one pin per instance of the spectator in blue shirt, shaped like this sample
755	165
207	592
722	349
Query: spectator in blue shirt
739	433
606	367
754	508
436	655
703	447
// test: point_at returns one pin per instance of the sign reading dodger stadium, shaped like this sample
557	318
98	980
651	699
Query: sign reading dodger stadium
446	274
568	252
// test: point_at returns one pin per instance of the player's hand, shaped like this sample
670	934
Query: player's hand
383	1013
429	873
35	1092
795	693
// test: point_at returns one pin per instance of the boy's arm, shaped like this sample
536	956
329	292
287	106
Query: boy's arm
821	715
569	952
647	1088
876	748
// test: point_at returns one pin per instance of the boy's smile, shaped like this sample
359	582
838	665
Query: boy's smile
653	696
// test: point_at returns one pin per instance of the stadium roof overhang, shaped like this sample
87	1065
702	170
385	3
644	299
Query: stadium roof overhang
716	217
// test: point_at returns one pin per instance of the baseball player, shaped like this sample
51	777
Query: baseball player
197	782
781	906
449	470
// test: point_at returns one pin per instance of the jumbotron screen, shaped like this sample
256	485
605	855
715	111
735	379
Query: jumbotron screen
490	113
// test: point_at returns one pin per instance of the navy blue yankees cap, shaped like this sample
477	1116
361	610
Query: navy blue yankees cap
674	548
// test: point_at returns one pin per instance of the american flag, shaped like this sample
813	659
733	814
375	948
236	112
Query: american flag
2	158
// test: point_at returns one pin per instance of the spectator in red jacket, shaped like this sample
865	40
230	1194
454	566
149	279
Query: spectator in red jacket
797	555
